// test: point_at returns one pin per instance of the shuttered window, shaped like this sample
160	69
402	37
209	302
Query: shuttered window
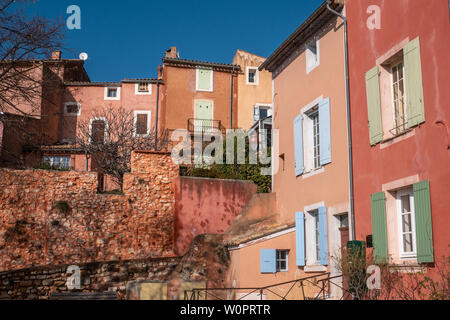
204	80
414	85
379	229
424	229
323	236
298	145
325	131
374	106
268	261
98	131
300	239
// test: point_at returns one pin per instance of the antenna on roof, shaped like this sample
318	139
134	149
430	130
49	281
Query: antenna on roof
84	56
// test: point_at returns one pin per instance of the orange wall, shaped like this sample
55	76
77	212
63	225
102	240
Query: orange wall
180	94
294	89
250	95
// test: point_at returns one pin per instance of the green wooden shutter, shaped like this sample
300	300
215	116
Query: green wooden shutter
204	79
374	106
424	229
379	230
413	81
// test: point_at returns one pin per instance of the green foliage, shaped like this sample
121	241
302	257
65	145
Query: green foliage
234	171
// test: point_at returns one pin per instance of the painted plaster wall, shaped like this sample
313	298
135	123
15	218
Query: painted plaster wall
208	206
250	95
425	152
294	89
180	95
245	272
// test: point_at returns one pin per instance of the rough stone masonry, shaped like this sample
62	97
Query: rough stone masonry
56	218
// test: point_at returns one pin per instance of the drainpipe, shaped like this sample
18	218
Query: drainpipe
231	99
157	115
349	125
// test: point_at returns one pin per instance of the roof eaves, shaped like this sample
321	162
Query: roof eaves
292	41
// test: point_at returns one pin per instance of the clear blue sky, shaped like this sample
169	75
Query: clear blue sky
127	39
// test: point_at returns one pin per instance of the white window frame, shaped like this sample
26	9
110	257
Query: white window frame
399	195
51	161
311	65
308	140
139	93
262	106
106	128
149	123
211	80
110	98
287	260
247	73
312	262
72	104
405	101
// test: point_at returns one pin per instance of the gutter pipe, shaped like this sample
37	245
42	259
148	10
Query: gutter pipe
349	125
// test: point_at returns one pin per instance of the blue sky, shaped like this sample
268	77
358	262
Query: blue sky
127	39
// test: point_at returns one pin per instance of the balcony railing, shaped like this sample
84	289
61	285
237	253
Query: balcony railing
205	126
297	289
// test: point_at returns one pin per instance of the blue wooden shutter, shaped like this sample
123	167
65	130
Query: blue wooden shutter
300	238
323	234
424	227
268	261
298	141
325	131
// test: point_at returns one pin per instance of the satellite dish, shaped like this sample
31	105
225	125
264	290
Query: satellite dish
83	56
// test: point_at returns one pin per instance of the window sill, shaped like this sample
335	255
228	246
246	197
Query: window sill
315	269
398	138
312	173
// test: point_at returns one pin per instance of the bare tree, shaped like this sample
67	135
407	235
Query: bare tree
109	137
24	41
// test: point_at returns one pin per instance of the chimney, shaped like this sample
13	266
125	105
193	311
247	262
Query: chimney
56	55
160	72
172	53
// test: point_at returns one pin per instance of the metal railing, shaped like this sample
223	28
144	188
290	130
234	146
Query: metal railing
204	126
322	283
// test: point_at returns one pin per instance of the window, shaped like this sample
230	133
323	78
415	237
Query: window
394	90
312	138
398	95
72	109
205	80
142	122
143	88
252	76
98	131
282	260
58	162
312	55
315	216
405	211
262	112
402	225
112	93
312	238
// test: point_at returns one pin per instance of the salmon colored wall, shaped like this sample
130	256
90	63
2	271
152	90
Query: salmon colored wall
92	100
245	269
250	95
294	89
208	206
180	93
425	153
